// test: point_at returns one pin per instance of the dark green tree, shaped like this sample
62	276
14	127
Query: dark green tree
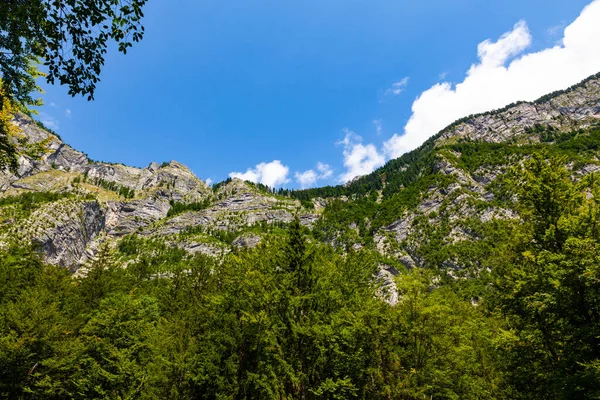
116	348
546	283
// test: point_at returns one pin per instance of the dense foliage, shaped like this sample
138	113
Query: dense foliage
290	320
70	38
296	319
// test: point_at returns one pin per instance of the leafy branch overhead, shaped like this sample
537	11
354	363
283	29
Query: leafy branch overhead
70	37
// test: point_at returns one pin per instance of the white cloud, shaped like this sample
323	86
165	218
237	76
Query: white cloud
209	181
68	113
48	120
270	174
325	170
309	177
510	44
359	159
499	78
397	87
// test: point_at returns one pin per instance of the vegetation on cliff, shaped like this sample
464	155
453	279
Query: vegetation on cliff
294	318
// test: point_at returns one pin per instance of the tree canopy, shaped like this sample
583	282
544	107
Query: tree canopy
69	38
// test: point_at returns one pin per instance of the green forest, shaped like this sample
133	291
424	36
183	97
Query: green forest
298	319
146	283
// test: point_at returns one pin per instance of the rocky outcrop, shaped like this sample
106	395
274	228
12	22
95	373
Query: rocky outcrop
195	246
576	108
238	205
66	158
173	181
43	151
387	290
247	240
123	218
62	230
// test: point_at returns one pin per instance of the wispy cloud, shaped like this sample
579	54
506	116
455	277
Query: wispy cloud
68	113
325	170
377	124
397	87
556	29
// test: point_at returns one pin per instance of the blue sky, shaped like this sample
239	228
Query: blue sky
232	86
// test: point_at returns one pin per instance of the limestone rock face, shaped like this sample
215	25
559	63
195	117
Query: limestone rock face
123	218
173	180
66	244
44	151
62	230
66	158
106	201
388	291
577	108
48	164
247	241
196	246
237	205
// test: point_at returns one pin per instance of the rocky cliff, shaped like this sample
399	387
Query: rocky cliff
107	201
442	191
461	168
575	108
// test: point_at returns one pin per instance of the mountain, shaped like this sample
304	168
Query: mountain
467	268
100	201
449	181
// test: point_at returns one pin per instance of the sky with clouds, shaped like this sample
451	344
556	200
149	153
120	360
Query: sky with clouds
318	92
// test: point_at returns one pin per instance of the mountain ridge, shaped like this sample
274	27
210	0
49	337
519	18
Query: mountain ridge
454	128
461	260
449	176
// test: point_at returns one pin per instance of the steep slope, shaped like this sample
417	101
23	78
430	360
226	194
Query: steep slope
421	209
575	108
103	202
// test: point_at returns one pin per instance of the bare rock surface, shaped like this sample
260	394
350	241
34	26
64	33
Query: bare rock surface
112	200
238	205
62	230
247	240
577	108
